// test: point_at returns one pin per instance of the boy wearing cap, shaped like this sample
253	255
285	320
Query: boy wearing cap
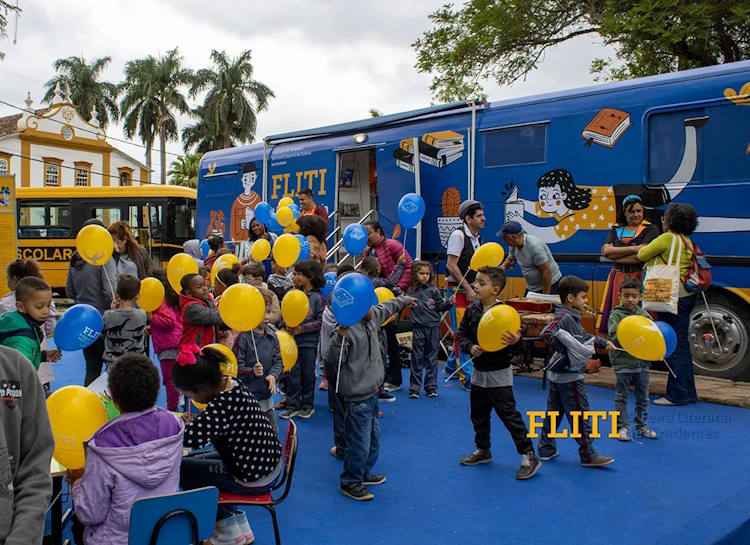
538	267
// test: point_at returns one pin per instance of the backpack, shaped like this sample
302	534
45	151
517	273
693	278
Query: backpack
698	276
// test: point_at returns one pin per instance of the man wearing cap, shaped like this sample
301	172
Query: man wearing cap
538	267
462	244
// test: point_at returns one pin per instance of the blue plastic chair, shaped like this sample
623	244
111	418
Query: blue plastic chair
176	519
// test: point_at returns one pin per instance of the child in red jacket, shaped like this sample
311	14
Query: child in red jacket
200	318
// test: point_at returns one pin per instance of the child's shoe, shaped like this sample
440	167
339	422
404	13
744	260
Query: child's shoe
413	395
432	395
623	434
306	413
384	396
530	465
479	456
357	492
372	480
547	455
290	413
388	387
597	460
647	432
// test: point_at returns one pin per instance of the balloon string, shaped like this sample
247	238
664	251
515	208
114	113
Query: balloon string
255	348
341	357
109	281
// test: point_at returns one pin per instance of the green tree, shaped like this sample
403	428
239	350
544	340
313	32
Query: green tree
81	83
152	97
5	9
233	99
374	112
184	170
202	134
504	40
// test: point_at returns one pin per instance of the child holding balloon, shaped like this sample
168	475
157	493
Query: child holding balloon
629	370
166	331
199	315
308	277
492	379
125	323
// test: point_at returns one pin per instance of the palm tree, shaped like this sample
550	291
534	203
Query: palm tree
184	170
234	97
202	133
84	89
151	98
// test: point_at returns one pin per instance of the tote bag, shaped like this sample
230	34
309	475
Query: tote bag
661	284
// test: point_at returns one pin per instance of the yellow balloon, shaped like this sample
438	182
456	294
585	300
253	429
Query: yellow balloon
198	405
288	349
294	307
286	250
497	321
285	216
261	250
242	307
95	244
641	338
151	295
293	228
179	265
226	261
384	294
75	414
229	365
489	254
284	202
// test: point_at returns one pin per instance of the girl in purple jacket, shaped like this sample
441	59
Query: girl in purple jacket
135	455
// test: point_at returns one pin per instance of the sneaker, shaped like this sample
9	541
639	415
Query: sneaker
598	461
413	395
432	395
290	413
546	456
323	384
530	465
662	401
306	413
356	492
386	397
479	456
337	453
388	387
647	432
373	480
623	434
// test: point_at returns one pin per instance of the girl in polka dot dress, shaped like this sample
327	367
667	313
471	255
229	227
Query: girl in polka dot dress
245	453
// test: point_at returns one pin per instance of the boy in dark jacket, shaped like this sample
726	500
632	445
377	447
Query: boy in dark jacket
26	444
22	328
492	379
573	346
357	384
629	370
260	374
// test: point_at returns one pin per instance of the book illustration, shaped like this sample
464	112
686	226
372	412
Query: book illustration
404	156
449	220
742	98
606	127
437	149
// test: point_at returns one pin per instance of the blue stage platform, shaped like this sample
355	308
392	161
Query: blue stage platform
689	487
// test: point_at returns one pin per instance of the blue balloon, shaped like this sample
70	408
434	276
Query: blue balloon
411	209
263	212
670	337
79	327
355	238
302	238
274	225
304	251
295	210
204	248
351	298
330	278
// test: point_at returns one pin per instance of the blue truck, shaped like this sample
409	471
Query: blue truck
680	137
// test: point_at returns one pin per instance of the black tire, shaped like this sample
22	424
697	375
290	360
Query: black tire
731	318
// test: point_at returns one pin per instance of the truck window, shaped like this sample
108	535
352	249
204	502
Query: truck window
515	146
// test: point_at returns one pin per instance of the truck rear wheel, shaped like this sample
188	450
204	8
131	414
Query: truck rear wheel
725	351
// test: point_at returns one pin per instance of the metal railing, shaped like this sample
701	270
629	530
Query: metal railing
336	247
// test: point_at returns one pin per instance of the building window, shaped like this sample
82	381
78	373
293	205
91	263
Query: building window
4	166
522	145
52	171
126	176
83	174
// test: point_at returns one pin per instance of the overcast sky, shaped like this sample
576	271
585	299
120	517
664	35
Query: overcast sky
326	61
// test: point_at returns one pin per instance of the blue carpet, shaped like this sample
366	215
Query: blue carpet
688	487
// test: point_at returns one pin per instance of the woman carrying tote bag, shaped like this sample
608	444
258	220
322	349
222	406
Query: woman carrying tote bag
668	259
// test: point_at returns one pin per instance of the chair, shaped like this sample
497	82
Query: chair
267	500
175	519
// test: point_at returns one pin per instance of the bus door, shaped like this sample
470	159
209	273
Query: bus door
357	189
398	173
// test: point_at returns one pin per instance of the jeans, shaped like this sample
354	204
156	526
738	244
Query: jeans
564	398
681	390
301	389
336	404
639	382
483	400
93	355
424	349
206	468
393	371
362	439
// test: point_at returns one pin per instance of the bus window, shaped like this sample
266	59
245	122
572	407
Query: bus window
108	215
156	215
44	221
134	217
182	220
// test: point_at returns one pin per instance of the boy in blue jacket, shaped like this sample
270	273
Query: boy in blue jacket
573	346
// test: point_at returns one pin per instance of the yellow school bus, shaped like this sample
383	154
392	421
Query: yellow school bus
161	217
